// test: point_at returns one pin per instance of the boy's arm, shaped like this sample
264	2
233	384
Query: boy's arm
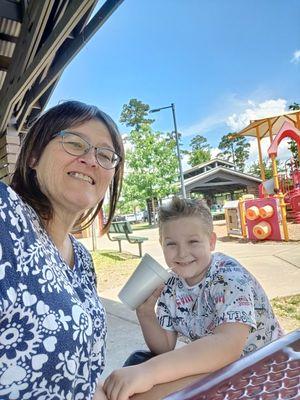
201	356
99	393
157	339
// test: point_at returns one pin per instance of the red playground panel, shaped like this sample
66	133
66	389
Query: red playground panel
262	219
270	373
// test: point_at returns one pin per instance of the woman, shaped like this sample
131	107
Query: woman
52	323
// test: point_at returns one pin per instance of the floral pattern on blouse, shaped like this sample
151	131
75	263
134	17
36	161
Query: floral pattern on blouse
52	323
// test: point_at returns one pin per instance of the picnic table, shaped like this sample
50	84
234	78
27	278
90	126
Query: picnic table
122	230
269	373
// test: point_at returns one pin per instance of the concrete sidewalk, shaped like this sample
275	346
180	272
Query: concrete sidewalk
275	265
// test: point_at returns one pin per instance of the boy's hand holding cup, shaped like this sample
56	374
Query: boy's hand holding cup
148	276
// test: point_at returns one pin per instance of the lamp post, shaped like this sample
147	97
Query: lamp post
172	106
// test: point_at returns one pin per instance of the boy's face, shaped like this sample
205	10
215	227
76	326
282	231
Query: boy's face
187	247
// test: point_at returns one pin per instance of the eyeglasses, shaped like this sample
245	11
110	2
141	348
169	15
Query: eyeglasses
75	145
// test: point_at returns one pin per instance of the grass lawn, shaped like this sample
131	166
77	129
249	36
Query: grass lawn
287	310
142	225
113	269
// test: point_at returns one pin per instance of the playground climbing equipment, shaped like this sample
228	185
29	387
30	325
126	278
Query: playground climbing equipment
265	217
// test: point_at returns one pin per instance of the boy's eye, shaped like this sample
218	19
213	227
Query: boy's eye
194	241
170	244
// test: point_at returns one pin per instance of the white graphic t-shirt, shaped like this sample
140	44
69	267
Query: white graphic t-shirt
228	293
52	323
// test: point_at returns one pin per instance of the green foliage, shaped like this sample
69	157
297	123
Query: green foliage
152	166
294	106
234	149
254	169
198	157
200	152
134	114
292	144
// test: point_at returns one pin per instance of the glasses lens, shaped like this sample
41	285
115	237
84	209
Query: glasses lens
107	158
74	145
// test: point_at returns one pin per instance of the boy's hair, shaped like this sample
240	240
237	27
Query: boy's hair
179	208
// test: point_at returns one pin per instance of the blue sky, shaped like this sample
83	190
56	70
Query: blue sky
220	61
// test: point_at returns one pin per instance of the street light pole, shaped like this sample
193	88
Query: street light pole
177	146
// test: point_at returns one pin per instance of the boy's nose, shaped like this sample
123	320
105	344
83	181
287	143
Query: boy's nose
182	251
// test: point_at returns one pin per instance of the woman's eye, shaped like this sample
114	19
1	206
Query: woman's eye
104	156
76	145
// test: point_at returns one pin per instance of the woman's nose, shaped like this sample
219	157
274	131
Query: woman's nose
89	158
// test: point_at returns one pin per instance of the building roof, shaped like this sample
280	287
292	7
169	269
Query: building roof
218	179
37	40
200	168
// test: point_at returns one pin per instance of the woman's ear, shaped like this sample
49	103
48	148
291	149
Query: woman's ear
32	162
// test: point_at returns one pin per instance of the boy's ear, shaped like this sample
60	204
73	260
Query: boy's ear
212	241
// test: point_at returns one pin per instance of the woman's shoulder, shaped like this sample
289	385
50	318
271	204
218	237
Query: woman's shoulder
15	211
82	254
10	202
7	193
79	246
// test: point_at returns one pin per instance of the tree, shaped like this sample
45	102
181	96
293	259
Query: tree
294	106
200	152
254	169
134	114
152	166
292	144
235	149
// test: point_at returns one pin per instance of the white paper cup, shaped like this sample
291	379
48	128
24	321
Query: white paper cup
148	276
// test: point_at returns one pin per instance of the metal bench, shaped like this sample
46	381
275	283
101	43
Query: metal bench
124	228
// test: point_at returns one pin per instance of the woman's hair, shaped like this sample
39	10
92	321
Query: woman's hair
179	208
56	119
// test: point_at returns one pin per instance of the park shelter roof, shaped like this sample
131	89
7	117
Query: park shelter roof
38	39
206	166
262	126
220	178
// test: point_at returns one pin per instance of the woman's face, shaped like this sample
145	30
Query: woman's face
74	184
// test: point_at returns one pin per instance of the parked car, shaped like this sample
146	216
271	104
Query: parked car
117	218
134	218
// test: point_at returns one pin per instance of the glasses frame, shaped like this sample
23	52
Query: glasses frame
89	147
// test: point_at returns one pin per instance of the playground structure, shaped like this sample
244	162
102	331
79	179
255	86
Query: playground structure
265	217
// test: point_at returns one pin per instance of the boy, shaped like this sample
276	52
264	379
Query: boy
211	299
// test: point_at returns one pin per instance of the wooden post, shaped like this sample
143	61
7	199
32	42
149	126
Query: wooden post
298	126
260	159
273	158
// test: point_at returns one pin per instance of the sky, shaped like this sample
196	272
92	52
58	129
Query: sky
221	62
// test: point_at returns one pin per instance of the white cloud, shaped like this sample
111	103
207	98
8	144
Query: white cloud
296	57
282	154
268	108
184	162
206	124
236	113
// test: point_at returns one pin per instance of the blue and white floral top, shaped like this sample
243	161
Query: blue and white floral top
52	323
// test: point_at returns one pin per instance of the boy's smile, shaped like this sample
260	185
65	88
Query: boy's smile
187	247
